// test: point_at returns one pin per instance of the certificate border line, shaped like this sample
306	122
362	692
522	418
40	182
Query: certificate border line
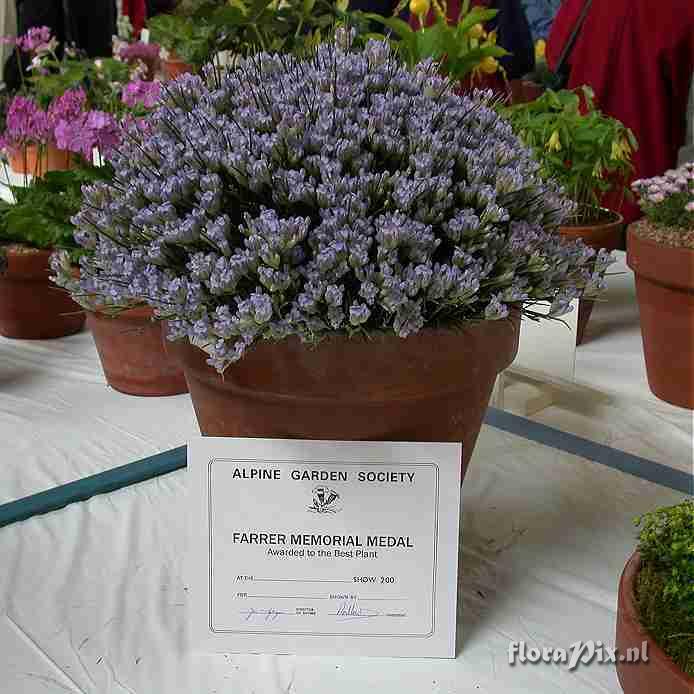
428	635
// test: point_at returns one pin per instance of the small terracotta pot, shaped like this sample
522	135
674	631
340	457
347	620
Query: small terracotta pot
133	355
175	67
31	306
665	292
36	161
659	675
432	386
598	236
525	91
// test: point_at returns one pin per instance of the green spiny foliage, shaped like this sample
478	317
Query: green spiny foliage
665	590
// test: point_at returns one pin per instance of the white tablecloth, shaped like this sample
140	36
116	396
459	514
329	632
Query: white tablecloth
93	597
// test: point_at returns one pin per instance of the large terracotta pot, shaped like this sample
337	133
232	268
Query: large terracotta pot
433	386
659	675
598	236
175	67
665	292
31	306
133	354
36	161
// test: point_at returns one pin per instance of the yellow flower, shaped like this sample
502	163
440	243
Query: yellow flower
477	32
540	49
554	142
419	8
489	65
621	151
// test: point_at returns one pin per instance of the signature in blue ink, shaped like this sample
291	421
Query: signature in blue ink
350	609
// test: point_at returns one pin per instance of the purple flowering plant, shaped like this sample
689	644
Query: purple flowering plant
668	200
26	124
343	193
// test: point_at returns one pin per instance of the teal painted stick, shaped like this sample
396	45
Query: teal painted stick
101	483
163	463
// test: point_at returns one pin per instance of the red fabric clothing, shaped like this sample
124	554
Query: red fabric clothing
638	56
137	11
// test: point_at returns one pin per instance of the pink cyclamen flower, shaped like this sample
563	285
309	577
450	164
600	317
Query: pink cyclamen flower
657	198
36	40
26	123
689	207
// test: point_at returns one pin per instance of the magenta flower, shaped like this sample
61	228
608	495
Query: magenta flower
105	131
26	124
92	129
67	107
140	93
36	40
139	51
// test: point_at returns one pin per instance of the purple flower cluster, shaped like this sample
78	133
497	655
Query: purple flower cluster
343	193
26	124
147	52
89	130
36	40
669	199
68	107
141	94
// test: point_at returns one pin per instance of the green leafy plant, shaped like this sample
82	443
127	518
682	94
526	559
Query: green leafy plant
588	153
665	587
40	217
243	26
463	48
101	80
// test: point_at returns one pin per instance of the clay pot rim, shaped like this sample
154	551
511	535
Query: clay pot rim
639	250
193	359
135	313
615	218
631	234
628	608
11	249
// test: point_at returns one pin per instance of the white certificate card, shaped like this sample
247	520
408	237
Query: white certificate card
321	547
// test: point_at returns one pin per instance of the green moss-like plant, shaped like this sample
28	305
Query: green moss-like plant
665	584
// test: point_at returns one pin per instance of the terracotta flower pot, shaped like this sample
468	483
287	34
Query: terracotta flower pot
175	67
31	306
132	353
598	236
524	91
659	675
665	292
432	386
36	161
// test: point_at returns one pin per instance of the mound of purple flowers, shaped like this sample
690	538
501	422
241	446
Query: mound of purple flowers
343	193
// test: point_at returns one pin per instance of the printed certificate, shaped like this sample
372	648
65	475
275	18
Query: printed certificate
324	547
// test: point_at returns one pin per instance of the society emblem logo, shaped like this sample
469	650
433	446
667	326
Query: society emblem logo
325	500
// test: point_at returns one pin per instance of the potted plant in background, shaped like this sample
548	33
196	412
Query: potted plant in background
130	344
589	155
343	246
660	251
200	29
656	605
463	49
30	230
60	93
